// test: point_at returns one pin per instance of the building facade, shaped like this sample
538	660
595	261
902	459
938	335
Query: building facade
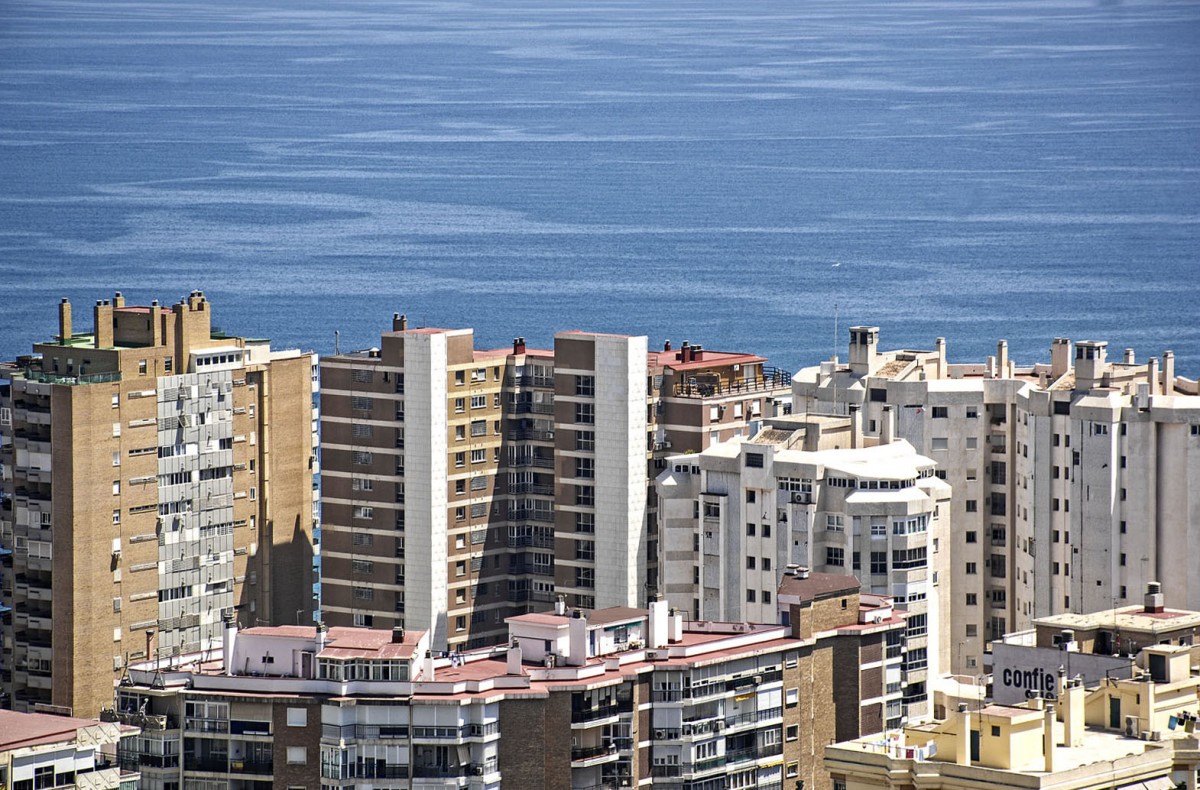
617	697
157	473
736	517
1075	480
38	750
464	486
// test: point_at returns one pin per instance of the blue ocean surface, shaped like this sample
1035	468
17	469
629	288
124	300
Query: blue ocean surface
743	175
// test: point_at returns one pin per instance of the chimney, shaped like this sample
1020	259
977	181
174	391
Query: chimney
427	674
518	345
398	635
399	322
864	349
64	321
322	636
1071	699
1090	363
675	626
1002	360
118	300
855	426
887	431
666	345
1048	738
514	658
801	572
1129	359
576	640
962	736
1152	374
1060	357
1168	373
658	624
103	319
229	642
940	346
560	606
1154	598
991	367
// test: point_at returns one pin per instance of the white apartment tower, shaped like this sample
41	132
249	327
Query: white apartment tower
812	493
1076	482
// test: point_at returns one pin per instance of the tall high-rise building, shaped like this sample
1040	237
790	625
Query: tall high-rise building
463	486
1075	482
157	474
809	493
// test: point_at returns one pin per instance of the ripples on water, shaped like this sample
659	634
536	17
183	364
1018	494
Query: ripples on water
679	169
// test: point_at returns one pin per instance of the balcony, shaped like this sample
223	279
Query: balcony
772	378
531	488
532	408
544	463
754	717
530	434
590	755
753	753
192	724
53	378
218	765
605	711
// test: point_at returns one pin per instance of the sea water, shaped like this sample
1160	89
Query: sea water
745	175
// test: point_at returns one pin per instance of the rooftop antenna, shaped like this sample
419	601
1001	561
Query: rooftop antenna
337	342
835	359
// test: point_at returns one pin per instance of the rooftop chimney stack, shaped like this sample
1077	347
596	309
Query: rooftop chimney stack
666	345
399	322
513	663
856	423
1002	371
322	636
942	368
1048	738
1152	375
887	432
118	299
864	349
560	606
1168	373
1154	599
1060	357
228	642
398	635
1129	357
962	736
519	345
64	321
658	624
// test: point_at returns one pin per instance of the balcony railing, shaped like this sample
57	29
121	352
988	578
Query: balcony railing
591	752
601	711
84	378
753	717
771	378
208	764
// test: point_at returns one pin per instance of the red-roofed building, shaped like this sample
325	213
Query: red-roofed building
610	698
39	750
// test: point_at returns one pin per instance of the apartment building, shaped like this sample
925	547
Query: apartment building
617	697
157	473
808	492
38	750
1124	733
464	486
1075	480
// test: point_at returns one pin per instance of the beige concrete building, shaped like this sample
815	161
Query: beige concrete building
1138	732
1076	481
464	486
157	473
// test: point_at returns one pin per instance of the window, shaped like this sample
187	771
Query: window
362	566
754	460
971	536
585	550
361	484
939	443
940	412
360	403
750	563
879	562
360	458
585	467
585	495
971	568
585	413
364	594
460	459
297	717
585	440
116	487
835	556
585	385
751	529
585	577
479	401
972	629
835	522
791	697
364	512
750	596
972	599
360	431
478	456
117	518
972	506
585	522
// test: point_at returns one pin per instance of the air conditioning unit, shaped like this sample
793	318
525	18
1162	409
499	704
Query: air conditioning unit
758	679
660	735
185	420
651	655
477	770
800	498
1131	727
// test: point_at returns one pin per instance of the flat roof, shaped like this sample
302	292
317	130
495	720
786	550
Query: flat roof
1129	618
20	730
